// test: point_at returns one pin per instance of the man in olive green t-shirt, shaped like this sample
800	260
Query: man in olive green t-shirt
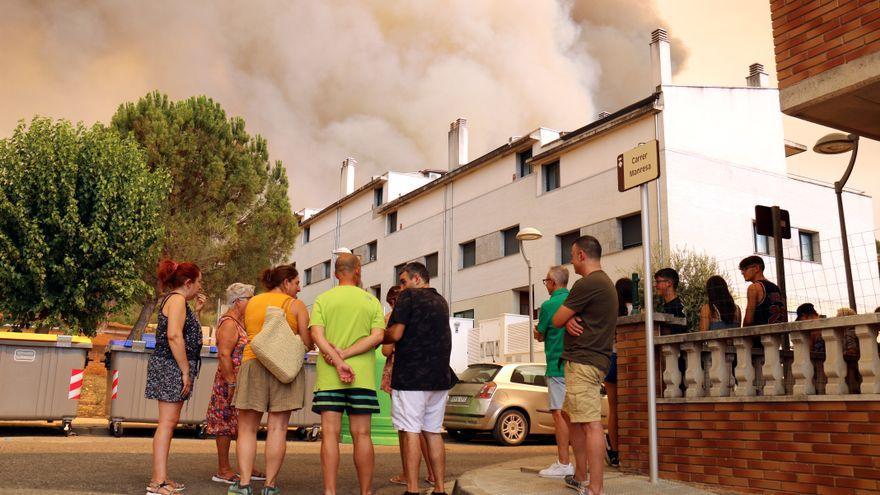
347	324
589	314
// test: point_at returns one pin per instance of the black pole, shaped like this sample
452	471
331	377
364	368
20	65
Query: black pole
838	190
777	247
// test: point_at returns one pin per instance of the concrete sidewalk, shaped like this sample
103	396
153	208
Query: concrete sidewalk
520	477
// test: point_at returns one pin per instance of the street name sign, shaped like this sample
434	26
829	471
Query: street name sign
638	165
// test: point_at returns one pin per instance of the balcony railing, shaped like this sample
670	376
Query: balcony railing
773	362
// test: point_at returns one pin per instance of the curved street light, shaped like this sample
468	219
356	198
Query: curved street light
529	234
835	144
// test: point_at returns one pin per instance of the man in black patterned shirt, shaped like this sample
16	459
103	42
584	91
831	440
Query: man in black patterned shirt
421	377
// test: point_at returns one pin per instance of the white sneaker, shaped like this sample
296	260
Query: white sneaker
557	470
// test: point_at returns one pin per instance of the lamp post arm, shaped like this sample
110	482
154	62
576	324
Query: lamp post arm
838	186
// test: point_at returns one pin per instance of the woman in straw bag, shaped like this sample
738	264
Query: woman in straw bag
258	391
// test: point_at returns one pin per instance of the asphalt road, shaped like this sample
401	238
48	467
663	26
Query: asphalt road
39	460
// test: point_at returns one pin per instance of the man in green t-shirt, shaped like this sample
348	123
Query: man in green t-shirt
556	284
347	324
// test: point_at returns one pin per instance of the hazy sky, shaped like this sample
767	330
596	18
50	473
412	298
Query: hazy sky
723	38
380	80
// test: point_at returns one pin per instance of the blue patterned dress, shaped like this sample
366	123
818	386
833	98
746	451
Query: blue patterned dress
164	380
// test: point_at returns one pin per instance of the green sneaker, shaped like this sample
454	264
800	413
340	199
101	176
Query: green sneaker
270	490
236	489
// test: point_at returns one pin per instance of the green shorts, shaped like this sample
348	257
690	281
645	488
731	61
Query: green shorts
350	400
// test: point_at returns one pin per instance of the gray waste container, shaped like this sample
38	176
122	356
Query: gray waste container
127	378
127	375
42	376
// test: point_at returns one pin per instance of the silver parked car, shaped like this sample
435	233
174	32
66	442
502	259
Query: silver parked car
509	400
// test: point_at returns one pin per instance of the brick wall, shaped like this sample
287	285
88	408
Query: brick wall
815	447
812	36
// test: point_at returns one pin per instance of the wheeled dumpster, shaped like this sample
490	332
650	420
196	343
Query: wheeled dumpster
41	376
127	375
127	378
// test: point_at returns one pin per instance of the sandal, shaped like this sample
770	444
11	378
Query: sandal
177	487
220	479
258	475
398	480
162	488
429	481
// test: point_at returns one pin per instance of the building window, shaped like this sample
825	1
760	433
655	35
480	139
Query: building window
762	242
807	246
397	271
307	234
511	244
522	168
468	313
308	276
432	263
631	231
376	290
551	176
377	197
372	251
326	267
565	241
468	254
392	222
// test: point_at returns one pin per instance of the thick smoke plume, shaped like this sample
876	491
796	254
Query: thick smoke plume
377	80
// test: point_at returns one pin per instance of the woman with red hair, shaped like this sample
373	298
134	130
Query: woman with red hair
175	362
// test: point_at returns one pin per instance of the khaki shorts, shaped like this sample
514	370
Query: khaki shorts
257	389
583	400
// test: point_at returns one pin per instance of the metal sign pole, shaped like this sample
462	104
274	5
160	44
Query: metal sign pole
649	337
777	247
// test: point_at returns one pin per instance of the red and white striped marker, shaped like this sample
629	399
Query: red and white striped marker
76	383
115	390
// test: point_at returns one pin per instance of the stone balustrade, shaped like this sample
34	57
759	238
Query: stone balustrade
771	361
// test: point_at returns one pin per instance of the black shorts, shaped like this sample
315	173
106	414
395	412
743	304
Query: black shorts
611	377
350	400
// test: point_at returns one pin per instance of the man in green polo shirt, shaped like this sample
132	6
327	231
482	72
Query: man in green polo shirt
556	284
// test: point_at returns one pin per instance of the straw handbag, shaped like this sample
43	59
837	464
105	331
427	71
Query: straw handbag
276	346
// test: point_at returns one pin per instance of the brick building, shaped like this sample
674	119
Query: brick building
828	62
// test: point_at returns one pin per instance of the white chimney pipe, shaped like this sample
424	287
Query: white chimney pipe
346	185
661	61
757	77
458	144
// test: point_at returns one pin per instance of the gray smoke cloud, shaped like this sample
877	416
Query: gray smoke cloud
377	80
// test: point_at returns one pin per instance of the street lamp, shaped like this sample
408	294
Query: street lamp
529	234
834	144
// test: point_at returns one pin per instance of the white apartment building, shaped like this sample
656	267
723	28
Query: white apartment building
722	152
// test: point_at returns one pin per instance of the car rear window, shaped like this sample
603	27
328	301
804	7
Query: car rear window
479	373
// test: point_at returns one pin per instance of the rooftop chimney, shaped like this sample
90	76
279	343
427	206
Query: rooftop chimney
661	62
602	115
346	184
458	143
757	77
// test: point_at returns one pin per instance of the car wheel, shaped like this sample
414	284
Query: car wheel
462	435
511	428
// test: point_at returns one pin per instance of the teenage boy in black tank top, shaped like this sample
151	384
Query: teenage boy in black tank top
765	302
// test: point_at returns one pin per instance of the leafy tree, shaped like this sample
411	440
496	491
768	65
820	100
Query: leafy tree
228	209
693	270
78	210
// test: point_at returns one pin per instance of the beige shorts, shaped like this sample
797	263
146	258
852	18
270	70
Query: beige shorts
583	399
257	389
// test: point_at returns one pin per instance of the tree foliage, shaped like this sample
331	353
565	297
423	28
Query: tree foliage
228	209
693	270
79	209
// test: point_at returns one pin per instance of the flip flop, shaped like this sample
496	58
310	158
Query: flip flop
429	481
258	475
229	481
397	480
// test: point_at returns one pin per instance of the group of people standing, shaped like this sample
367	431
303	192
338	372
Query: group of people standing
347	324
578	327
